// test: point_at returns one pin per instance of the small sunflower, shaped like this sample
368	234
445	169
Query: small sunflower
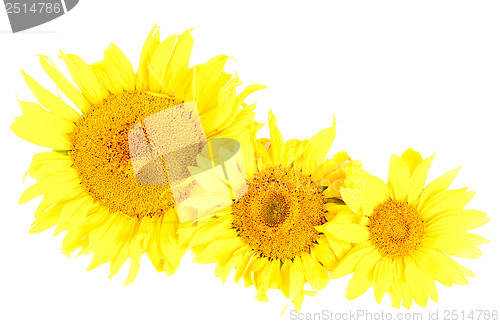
270	234
406	232
87	180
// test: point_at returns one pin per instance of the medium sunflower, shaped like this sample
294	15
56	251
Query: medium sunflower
406	232
87	180
270	235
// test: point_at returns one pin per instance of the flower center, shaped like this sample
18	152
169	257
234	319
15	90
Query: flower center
396	228
277	214
100	152
274	209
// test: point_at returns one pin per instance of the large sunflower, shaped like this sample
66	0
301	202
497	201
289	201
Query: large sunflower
406	232
87	180
270	235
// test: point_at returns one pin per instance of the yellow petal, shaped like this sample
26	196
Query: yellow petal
363	275
42	127
277	145
358	200
458	220
64	84
179	62
160	61
440	267
314	272
150	45
46	220
414	280
350	261
399	178
372	186
382	278
243	266
417	181
324	254
399	284
53	103
119	68
297	279
455	245
352	233
285	277
84	78
136	252
412	159
445	201
317	148
440	184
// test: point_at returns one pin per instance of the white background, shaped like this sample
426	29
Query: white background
397	74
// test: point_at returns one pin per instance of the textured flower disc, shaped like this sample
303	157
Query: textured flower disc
278	214
101	155
89	185
396	228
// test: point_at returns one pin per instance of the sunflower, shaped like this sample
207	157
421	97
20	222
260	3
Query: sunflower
270	234
406	232
87	180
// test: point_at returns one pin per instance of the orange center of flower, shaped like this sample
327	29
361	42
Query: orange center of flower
100	152
277	214
396	228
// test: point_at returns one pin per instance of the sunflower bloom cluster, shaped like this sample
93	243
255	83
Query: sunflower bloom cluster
165	158
87	180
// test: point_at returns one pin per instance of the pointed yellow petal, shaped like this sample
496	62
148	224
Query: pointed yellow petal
285	277
417	181
119	68
358	200
399	178
314	272
46	220
372	186
297	279
445	201
455	246
64	84
415	282
277	145
150	45
42	127
160	60
84	78
350	261
458	220
382	278
440	184
352	233
412	159
179	62
317	148
440	267
53	103
363	276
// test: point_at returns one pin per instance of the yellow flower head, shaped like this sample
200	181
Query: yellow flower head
87	180
406	232
272	235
